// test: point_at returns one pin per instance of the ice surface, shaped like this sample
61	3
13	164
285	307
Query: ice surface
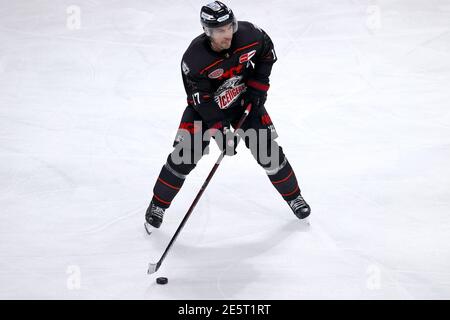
360	97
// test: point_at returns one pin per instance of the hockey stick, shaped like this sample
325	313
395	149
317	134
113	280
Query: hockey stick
153	267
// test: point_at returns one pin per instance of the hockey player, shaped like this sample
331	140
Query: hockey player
224	69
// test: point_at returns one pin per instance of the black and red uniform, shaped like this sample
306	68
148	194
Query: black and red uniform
216	84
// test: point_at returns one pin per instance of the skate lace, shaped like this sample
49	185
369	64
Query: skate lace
157	211
297	203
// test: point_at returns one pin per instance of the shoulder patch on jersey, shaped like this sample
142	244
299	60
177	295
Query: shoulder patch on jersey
247	56
185	68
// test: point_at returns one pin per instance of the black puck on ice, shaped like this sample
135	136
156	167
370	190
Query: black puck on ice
162	280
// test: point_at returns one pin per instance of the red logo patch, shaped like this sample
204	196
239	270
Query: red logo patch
216	74
233	71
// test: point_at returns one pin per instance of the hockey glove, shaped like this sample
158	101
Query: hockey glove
225	137
256	96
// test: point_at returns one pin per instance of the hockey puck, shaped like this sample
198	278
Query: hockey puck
162	280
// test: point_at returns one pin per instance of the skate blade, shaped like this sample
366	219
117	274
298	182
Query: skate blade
305	221
305	225
148	228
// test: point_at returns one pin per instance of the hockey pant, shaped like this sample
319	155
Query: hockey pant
181	161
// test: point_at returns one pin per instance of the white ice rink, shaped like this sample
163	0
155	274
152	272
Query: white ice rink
90	100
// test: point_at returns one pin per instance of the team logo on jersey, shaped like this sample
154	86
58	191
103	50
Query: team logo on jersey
229	92
233	71
247	56
216	74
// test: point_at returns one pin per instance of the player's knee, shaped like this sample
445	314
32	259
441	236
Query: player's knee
183	167
266	151
271	160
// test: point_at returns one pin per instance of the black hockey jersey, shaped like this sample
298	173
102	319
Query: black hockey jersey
215	81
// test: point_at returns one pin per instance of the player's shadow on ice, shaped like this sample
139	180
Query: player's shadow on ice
215	271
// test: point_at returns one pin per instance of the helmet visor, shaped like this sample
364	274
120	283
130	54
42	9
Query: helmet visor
213	31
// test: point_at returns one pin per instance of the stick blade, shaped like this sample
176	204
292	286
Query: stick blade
152	268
